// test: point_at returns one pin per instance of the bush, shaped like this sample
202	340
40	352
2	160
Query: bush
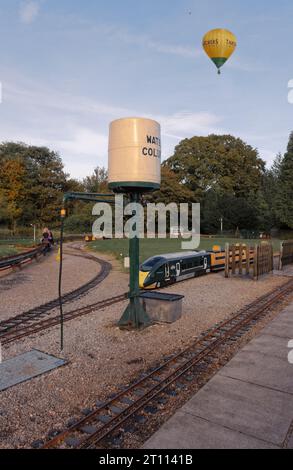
78	224
20	233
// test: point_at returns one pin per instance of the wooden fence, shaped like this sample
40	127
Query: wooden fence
264	259
286	256
245	260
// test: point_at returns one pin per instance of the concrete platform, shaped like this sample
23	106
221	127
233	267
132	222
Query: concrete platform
286	271
247	405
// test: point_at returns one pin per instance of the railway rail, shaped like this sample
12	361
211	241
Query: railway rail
21	259
32	320
109	422
28	325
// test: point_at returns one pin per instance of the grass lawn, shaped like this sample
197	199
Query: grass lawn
13	247
7	250
148	248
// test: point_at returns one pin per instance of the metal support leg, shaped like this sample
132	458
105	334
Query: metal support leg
135	316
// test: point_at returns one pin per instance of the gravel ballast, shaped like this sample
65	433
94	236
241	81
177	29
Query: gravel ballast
37	283
101	357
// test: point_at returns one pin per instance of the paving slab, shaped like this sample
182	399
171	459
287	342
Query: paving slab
286	271
290	443
260	369
248	404
289	308
184	431
269	346
257	411
282	327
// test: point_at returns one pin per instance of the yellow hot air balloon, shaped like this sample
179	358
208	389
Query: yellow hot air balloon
219	44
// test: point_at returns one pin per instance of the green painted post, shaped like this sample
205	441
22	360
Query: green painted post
134	258
134	316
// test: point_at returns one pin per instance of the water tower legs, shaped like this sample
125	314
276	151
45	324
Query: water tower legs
134	316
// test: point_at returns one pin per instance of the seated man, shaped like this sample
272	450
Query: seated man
46	242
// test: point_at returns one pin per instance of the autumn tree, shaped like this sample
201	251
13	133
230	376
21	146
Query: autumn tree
35	181
12	194
97	182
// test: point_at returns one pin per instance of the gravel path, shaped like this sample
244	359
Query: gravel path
101	357
37	283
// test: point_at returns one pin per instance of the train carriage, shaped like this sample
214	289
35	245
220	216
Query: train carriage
163	270
166	269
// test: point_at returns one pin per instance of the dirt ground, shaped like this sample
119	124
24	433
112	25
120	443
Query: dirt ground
100	356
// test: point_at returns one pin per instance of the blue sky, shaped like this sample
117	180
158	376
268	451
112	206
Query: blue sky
70	67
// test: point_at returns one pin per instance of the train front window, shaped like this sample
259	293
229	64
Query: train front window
150	263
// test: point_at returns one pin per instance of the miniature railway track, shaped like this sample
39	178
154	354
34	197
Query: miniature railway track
31	326
29	322
108	422
21	259
33	321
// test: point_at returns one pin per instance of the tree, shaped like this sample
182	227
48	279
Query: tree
236	213
172	189
97	182
211	213
266	198
43	182
284	192
221	163
12	190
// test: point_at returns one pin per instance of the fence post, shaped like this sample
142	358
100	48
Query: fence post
233	259
227	259
247	259
240	258
255	262
281	256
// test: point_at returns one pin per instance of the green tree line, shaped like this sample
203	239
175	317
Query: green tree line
231	182
223	173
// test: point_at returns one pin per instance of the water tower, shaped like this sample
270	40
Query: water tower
134	169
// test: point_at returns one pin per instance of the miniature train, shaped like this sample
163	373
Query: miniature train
162	270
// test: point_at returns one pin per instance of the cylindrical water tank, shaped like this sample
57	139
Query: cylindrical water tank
134	155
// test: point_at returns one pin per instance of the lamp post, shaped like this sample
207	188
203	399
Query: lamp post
35	237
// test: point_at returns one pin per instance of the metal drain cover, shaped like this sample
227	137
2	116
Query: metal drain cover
26	367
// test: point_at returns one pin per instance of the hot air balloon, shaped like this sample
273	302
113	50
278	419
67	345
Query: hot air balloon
219	44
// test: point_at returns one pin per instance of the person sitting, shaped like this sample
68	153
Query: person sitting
46	242
50	237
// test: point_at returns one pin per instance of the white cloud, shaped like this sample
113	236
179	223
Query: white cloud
31	94
185	123
28	11
144	40
238	63
84	141
267	155
82	150
178	125
183	51
124	35
77	126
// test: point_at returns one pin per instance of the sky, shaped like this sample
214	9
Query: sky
70	67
